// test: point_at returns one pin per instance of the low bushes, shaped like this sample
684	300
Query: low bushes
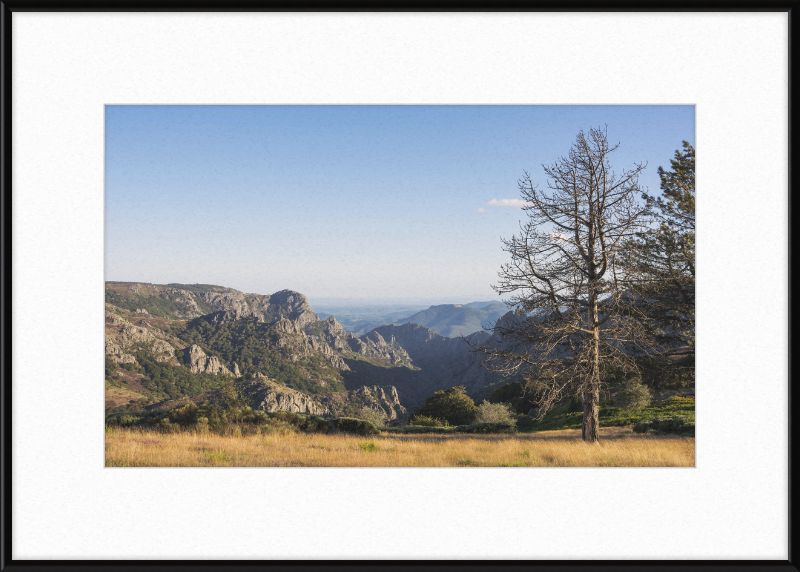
453	405
414	429
501	413
472	428
302	422
675	416
357	426
237	421
426	421
486	428
632	394
374	415
674	424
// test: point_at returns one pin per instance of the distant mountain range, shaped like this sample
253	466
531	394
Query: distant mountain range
450	320
455	320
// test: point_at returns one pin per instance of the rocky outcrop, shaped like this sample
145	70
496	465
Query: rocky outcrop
287	326
226	316
268	395
198	362
228	300
164	352
125	333
185	300
292	306
116	354
374	346
199	300
124	337
330	332
328	338
384	398
286	304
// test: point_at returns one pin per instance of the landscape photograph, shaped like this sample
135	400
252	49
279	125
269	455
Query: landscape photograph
462	286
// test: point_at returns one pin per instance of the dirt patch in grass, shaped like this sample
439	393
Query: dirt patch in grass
117	396
131	379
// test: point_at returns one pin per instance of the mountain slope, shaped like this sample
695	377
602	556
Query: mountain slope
154	353
169	342
180	301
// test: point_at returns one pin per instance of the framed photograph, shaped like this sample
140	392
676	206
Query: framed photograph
395	287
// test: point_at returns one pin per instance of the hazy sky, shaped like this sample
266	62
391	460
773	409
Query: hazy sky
383	202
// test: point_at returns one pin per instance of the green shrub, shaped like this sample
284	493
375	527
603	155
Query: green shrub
575	404
357	426
486	428
304	422
632	394
452	405
369	446
186	415
495	413
674	424
374	415
277	427
218	456
425	421
110	368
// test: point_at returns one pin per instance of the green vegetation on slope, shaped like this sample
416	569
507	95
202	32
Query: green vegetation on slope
159	303
163	380
197	287
258	348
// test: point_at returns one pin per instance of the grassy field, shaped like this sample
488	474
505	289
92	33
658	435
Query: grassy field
614	417
619	447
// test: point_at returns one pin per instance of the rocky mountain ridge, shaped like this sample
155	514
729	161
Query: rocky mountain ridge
304	363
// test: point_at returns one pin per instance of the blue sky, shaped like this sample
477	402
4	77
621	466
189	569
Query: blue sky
361	202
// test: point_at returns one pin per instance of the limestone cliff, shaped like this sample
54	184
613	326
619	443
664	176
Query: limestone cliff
384	398
268	395
176	301
124	337
198	362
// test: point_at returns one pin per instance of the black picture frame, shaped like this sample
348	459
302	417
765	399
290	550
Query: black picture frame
7	10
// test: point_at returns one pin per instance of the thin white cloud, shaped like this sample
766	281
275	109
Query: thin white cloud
558	237
516	203
480	210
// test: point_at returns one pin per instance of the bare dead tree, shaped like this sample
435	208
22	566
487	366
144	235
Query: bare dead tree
574	296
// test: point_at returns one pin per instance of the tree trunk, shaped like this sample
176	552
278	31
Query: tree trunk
591	393
591	413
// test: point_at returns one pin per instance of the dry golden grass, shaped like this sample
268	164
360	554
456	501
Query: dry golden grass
619	447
